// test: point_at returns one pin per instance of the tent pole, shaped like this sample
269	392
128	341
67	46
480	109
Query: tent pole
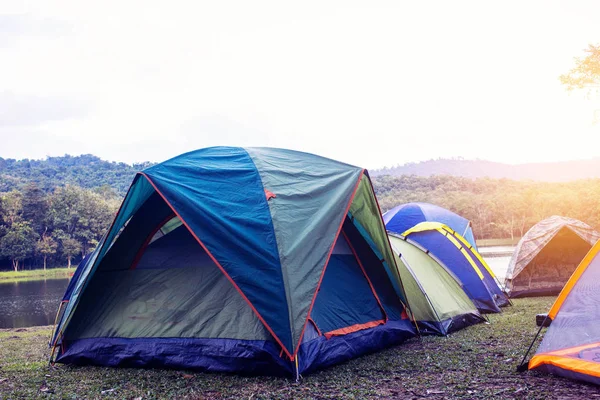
522	366
297	372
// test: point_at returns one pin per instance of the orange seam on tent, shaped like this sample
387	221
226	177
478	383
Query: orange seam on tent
570	364
366	276
573	280
312	321
312	303
353	328
570	350
140	252
221	268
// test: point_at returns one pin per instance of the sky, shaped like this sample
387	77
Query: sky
370	83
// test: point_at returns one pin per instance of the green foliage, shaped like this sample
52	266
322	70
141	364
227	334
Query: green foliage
86	171
80	214
498	208
35	207
46	246
70	248
57	227
18	243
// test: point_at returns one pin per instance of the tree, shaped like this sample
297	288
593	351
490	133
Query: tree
18	243
46	246
35	208
12	207
586	73
70	247
81	214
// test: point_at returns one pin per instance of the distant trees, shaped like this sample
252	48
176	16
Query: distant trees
45	220
47	246
36	226
17	243
86	171
70	248
498	208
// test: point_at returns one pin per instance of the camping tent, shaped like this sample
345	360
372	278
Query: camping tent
547	255
67	295
403	217
252	260
443	307
571	345
463	260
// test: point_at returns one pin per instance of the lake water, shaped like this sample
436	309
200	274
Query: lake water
30	303
33	303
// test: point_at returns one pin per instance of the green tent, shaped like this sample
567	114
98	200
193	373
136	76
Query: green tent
436	297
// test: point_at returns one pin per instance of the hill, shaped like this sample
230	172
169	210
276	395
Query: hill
562	171
86	171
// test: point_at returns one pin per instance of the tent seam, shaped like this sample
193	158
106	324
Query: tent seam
260	317
327	261
284	275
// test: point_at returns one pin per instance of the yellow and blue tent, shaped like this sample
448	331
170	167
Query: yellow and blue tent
463	260
405	216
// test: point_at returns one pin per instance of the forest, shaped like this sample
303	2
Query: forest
497	208
86	171
40	229
54	211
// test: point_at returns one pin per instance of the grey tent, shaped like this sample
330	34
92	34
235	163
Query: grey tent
547	255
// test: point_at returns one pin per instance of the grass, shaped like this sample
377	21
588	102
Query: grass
497	242
35	274
476	363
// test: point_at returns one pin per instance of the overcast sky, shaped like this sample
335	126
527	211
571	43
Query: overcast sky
369	83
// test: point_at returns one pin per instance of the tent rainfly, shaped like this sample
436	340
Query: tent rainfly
257	260
403	217
547	255
571	345
435	295
456	253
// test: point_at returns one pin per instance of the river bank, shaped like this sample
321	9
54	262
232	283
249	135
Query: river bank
36	274
477	362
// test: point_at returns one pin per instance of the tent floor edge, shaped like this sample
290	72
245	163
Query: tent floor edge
566	373
321	353
450	325
245	357
462	321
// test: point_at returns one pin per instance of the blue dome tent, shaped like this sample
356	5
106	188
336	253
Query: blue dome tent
403	217
256	260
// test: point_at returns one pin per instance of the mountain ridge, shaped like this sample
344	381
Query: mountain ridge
558	171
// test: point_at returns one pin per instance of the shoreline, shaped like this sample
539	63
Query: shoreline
36	274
